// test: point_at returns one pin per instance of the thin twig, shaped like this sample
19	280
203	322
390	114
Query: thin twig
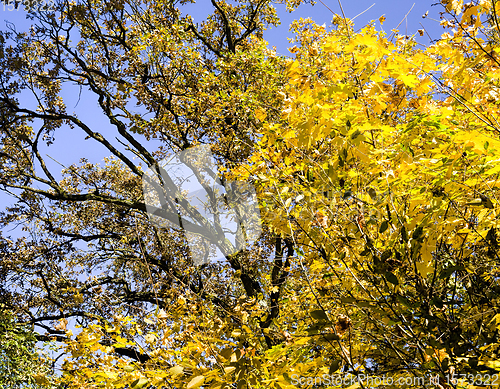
345	19
363	11
401	21
329	9
430	38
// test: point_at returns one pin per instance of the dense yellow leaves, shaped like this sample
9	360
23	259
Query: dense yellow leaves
383	171
453	5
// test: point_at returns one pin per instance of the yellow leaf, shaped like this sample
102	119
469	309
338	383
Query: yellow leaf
62	325
493	364
162	315
195	382
425	267
260	114
40	379
139	383
129	368
111	375
482	214
78	298
150	338
332	45
366	40
293	68
176	370
471	11
453	5
409	79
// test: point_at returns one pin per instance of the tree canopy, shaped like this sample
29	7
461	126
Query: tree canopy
21	365
375	163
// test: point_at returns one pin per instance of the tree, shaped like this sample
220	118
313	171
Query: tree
374	258
20	364
382	171
90	253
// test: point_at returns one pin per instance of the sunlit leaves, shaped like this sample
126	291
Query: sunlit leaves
389	148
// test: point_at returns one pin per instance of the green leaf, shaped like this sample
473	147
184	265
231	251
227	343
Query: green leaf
329	337
403	300
319	315
445	273
404	234
346	195
392	278
384	226
365	252
287	377
348	125
355	134
386	255
348	300
417	234
334	366
488	204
